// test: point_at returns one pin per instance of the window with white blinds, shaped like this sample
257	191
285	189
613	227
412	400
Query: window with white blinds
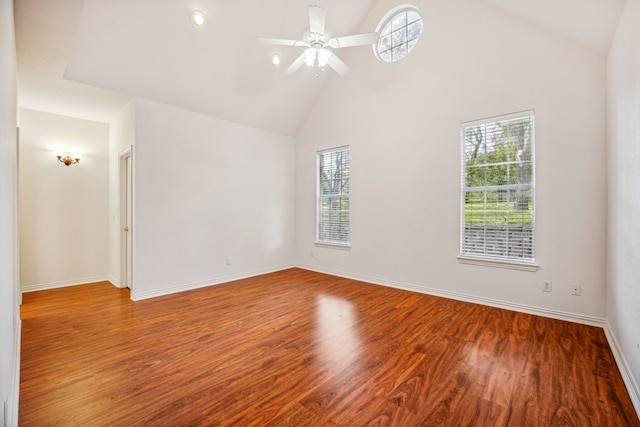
332	213
498	193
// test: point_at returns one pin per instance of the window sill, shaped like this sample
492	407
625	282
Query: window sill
336	245
486	262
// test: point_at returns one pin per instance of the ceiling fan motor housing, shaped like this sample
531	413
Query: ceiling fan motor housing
316	40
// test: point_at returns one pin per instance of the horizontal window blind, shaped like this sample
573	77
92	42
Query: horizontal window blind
332	216
498	192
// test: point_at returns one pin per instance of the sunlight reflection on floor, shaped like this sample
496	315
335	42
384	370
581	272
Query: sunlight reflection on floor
337	336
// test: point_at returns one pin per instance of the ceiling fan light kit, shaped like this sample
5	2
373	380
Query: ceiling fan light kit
319	45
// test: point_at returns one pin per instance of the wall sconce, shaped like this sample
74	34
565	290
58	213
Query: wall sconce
68	158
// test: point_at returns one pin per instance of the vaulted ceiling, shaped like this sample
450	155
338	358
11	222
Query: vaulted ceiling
86	58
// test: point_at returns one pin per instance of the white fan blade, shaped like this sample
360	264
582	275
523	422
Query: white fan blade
281	42
337	65
317	17
295	65
355	40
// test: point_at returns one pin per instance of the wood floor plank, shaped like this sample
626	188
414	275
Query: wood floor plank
298	348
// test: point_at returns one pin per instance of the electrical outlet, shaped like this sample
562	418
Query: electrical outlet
576	290
228	260
546	286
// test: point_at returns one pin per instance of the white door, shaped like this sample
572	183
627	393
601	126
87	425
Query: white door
126	200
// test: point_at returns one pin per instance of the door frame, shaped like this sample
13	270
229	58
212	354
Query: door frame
125	173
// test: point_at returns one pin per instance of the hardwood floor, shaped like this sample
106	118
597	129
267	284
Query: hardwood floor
297	348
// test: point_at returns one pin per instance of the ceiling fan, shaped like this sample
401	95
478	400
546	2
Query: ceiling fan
318	43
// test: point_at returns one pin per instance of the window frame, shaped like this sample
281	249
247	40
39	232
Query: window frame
488	259
322	240
387	20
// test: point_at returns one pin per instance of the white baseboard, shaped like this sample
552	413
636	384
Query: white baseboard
114	282
623	366
522	308
137	296
62	284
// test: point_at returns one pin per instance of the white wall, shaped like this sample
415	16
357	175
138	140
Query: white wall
121	137
64	235
207	189
9	285
623	290
402	122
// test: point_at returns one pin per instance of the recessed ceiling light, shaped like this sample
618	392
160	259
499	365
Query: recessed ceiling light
198	18
275	59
